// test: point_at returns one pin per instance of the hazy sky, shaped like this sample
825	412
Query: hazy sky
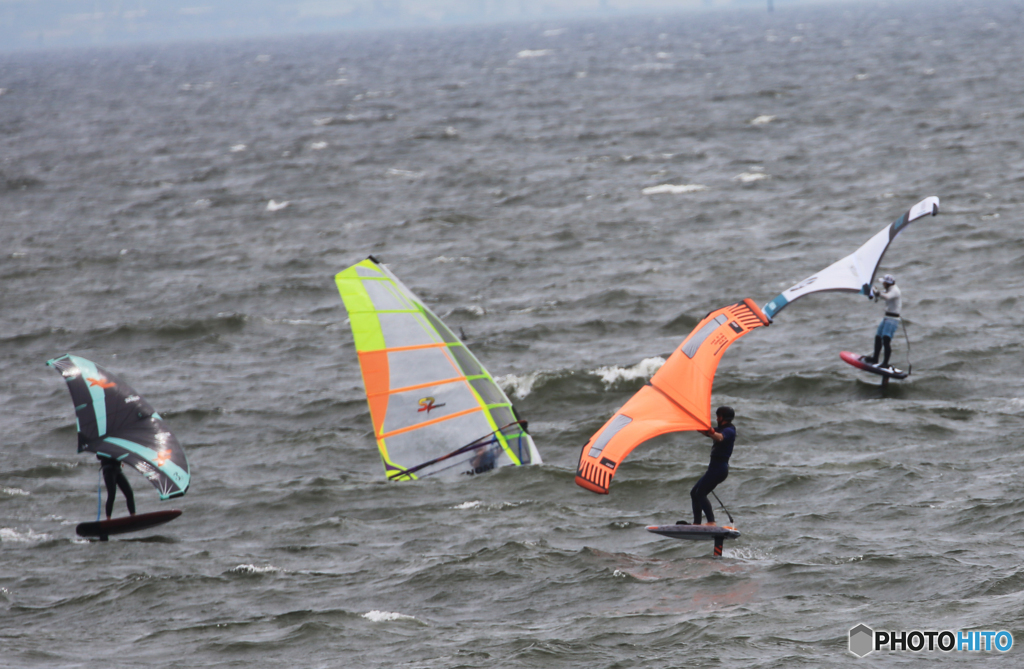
42	24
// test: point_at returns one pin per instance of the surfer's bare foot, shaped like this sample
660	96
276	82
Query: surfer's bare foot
711	524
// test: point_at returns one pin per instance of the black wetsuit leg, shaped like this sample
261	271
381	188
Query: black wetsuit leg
716	473
887	343
115	478
878	348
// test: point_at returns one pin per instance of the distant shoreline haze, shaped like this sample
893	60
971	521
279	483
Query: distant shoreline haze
36	25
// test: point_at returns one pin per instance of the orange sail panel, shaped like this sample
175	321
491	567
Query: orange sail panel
677	399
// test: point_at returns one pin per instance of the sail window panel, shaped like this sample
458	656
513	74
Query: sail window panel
489	391
469	365
409	449
385	296
519	442
691	347
613	429
415	407
502	416
406	329
420	366
441	328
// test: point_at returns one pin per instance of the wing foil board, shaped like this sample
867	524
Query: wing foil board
695	532
124	524
886	372
715	533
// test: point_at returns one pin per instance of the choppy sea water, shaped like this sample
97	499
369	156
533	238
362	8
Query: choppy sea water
501	173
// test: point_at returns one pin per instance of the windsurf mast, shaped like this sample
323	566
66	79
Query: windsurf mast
856	272
676	399
426	391
116	422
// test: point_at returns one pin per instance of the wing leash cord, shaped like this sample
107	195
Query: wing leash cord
476	443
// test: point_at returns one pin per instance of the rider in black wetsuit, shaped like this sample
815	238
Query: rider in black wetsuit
718	469
115	478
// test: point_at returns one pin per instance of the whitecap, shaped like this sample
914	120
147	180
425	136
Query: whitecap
762	119
253	569
534	53
13	536
326	120
338	82
673	189
475	504
750	177
237	148
274	205
860	77
13	492
202	203
644	369
318	146
516	385
385	616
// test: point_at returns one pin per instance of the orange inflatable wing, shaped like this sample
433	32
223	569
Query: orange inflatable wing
677	398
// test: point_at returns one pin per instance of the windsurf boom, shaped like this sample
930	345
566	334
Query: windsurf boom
433	405
115	421
676	399
856	272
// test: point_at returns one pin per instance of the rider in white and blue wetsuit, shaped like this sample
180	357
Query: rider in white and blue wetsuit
889	292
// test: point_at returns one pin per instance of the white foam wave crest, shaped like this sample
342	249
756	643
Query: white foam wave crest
475	504
763	119
674	189
13	536
750	177
253	569
518	386
644	369
274	205
386	616
13	492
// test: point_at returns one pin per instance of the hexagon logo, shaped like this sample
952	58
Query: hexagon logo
862	640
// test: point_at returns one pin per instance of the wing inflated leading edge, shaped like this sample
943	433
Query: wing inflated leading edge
858	269
677	398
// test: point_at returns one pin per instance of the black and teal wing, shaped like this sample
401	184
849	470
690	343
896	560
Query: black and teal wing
117	422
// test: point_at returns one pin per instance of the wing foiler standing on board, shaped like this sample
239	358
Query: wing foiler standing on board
889	292
676	399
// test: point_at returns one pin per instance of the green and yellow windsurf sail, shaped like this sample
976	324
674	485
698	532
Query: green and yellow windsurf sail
433	405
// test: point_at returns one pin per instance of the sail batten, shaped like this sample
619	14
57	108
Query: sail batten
427	393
